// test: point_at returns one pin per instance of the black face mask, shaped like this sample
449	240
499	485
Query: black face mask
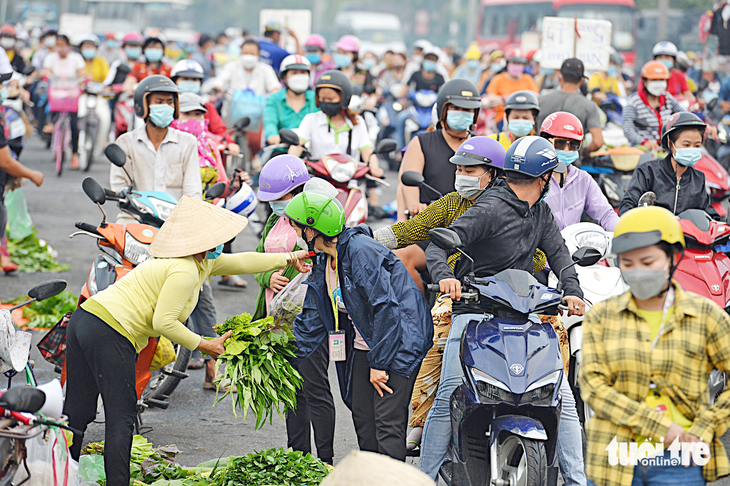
330	109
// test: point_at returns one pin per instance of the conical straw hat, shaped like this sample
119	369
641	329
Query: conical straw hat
361	468
195	226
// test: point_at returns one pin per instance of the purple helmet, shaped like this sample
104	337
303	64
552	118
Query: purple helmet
480	151
281	175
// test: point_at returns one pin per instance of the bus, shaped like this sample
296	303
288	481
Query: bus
502	22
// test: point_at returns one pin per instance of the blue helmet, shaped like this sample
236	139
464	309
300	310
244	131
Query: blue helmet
532	156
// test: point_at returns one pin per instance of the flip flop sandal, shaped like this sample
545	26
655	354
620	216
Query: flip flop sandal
196	364
413	449
234	282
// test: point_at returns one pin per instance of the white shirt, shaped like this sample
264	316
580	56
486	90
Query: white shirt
262	79
5	66
324	139
66	69
172	168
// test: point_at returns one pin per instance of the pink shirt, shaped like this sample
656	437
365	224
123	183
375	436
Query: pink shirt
281	239
333	285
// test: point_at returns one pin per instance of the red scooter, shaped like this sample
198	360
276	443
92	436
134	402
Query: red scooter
717	181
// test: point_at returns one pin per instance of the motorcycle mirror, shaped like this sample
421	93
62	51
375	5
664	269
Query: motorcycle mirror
115	154
411	178
28	70
242	123
23	399
445	238
94	190
586	256
47	289
712	103
641	123
386	145
289	137
647	199
215	191
6	77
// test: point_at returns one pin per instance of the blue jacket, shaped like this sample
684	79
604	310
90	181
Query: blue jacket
382	300
271	53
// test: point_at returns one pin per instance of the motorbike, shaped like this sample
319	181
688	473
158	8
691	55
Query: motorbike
89	123
387	114
347	174
357	105
419	113
505	415
613	168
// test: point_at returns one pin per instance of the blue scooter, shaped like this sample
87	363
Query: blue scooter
419	113
505	415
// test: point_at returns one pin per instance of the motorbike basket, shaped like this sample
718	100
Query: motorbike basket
63	98
53	345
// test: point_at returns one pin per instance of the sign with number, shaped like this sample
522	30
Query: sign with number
587	39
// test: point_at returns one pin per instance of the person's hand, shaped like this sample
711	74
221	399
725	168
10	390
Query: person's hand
233	149
651	145
274	139
36	178
416	208
25	96
277	282
725	106
370	103
711	131
451	287
299	264
576	306
673	433
379	378
291	33
244	177
376	172
214	347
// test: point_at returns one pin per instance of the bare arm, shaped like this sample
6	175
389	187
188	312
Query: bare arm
597	142
16	169
412	160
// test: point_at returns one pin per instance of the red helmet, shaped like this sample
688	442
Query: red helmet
8	30
562	124
132	38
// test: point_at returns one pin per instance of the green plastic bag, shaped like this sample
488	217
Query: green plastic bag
19	223
91	468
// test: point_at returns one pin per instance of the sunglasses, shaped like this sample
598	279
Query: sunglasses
562	144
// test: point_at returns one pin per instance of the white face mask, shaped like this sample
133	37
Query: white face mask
7	42
49	42
299	83
248	61
656	88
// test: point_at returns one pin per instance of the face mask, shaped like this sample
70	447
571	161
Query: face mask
330	109
567	156
459	120
520	128
133	52
656	88
111	44
162	115
212	255
299	83
369	63
547	72
497	66
429	65
645	284
612	72
188	86
278	207
342	60
468	187
153	54
3	94
668	63
313	57
88	54
50	42
418	59
688	156
248	61
515	70
7	42
473	63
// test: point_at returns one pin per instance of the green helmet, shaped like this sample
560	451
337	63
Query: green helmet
323	213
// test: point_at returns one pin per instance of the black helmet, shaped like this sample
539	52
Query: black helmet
154	84
681	121
338	81
522	100
460	93
152	40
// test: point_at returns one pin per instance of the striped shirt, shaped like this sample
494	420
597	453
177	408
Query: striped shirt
636	109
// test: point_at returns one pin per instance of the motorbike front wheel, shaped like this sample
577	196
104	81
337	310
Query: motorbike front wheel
521	461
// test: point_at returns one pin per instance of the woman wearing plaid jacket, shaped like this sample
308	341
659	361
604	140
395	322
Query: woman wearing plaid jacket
647	356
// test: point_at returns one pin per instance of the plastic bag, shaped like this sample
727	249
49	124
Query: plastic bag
48	460
53	345
19	223
247	103
287	304
91	469
164	354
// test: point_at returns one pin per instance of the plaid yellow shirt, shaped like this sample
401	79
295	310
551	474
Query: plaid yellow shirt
618	366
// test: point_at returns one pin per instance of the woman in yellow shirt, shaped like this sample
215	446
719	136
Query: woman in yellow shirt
107	331
96	70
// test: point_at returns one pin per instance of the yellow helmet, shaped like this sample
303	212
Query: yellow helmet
646	226
473	52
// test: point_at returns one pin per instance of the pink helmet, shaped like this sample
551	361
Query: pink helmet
316	40
132	37
349	43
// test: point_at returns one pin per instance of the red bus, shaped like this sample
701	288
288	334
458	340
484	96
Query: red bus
502	22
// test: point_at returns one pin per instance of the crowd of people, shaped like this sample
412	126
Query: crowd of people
504	148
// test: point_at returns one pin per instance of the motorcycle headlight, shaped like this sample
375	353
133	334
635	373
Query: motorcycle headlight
541	392
490	388
358	213
163	208
142	208
134	250
340	171
593	239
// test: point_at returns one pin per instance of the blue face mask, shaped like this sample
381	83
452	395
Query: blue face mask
459	120
111	44
668	63
153	54
473	63
188	86
342	60
133	52
162	115
278	207
547	72
88	54
369	63
212	255
688	156
429	65
313	57
520	128
3	94
612	71
567	156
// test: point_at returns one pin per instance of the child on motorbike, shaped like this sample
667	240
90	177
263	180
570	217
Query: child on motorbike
362	301
280	180
520	113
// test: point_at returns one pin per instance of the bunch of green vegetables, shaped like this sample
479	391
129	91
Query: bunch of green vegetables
272	467
257	367
33	255
45	314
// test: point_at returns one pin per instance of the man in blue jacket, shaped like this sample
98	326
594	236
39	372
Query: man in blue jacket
365	302
271	53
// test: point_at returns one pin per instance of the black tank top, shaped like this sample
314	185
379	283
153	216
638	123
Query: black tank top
438	172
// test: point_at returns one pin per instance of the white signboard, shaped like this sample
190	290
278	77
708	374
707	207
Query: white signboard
591	44
300	21
75	25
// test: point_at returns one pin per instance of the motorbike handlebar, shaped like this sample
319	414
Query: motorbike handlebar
86	227
433	287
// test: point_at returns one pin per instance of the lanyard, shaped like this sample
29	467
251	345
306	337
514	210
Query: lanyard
668	303
335	309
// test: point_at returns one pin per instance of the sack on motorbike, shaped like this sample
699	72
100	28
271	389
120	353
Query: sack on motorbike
287	304
164	354
20	225
53	345
246	103
48	460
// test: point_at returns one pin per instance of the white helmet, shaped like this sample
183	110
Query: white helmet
664	48
87	38
187	68
422	44
243	202
295	61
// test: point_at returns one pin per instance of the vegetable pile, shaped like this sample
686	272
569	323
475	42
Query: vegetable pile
45	314
274	466
34	255
257	367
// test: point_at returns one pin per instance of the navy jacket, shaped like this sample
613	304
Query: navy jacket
382	300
